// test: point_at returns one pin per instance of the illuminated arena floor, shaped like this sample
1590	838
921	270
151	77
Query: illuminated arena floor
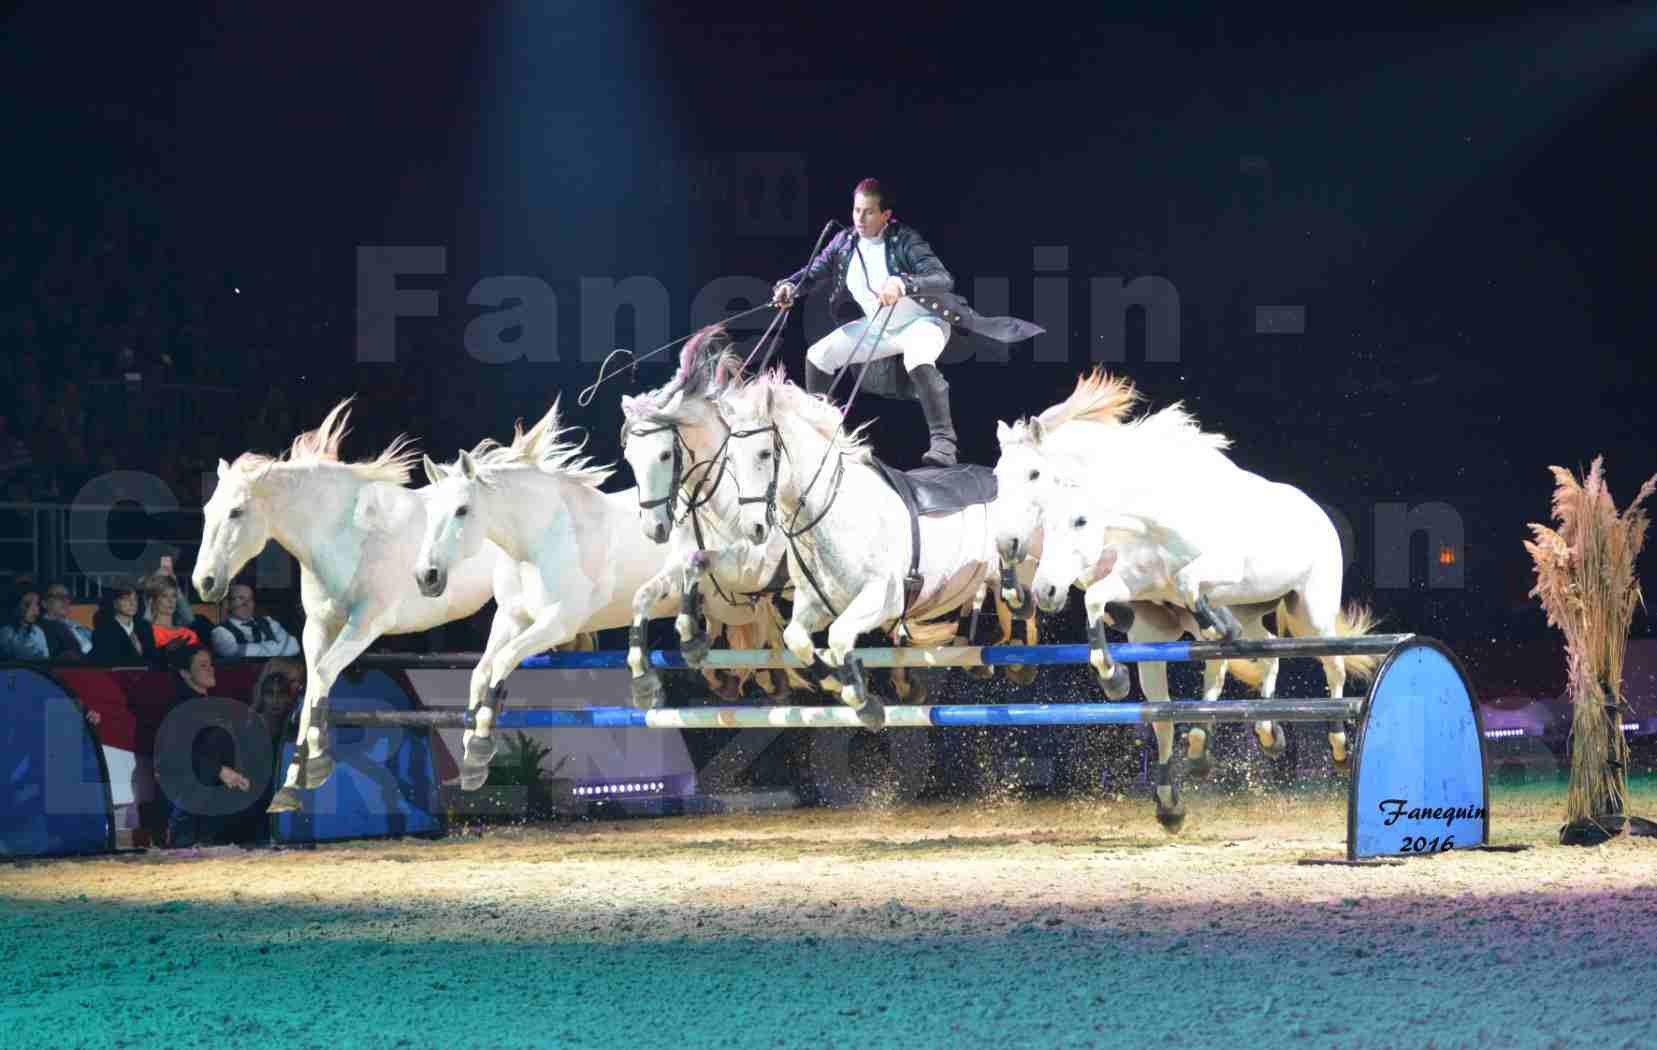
1015	924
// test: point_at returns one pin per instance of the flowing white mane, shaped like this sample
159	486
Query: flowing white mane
540	448
1104	400
792	405
320	447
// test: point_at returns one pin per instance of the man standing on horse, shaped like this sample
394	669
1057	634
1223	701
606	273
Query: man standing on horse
884	265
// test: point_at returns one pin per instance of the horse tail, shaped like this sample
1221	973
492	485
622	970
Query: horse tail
1353	621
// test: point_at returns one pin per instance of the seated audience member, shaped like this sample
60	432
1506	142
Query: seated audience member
277	695
160	602
212	757
20	635
121	637
243	634
66	640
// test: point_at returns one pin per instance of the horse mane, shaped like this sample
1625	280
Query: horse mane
707	367
1106	400
321	447
541	448
1098	398
814	410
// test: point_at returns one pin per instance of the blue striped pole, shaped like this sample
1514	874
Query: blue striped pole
942	656
897	715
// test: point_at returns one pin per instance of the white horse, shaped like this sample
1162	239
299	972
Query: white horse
354	529
1152	508
573	557
674	440
848	531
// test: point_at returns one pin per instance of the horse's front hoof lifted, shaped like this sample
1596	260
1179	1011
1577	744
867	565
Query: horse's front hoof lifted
1116	682
472	776
647	691
286	800
872	714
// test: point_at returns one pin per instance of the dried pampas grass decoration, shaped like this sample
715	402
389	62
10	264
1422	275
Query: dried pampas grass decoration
1585	580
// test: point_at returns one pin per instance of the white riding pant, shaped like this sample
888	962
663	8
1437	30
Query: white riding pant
913	332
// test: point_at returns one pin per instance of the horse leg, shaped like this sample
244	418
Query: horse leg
647	684
1203	573
317	637
1108	599
809	615
1306	620
483	697
1153	679
878	602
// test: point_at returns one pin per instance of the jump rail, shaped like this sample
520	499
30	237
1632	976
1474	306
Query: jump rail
897	715
942	656
1418	782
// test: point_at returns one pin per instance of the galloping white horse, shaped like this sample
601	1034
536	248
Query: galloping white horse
354	529
572	560
1153	509
851	548
674	441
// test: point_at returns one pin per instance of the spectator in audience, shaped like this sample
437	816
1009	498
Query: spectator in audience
212	755
160	602
66	640
121	637
243	634
20	635
183	614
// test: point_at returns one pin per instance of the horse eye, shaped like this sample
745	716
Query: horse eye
665	456
460	512
236	513
1079	523
764	455
1034	474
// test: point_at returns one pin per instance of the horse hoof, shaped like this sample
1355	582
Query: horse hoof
696	648
872	714
286	800
647	691
1201	767
318	768
1117	683
1343	765
1172	818
1279	743
1022	675
479	751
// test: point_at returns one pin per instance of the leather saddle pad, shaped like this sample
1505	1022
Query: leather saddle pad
941	490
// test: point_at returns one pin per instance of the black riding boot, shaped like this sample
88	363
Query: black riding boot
933	392
817	381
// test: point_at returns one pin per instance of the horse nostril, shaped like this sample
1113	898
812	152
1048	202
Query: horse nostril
207	584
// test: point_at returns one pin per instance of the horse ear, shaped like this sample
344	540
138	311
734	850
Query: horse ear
770	399
224	468
433	473
468	469
1035	431
627	403
1003	432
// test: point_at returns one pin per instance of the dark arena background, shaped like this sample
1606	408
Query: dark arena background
1403	264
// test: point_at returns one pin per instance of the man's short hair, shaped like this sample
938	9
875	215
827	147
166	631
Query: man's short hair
873	188
179	657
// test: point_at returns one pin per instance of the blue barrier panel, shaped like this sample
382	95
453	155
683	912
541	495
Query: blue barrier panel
384	781
1418	783
54	789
